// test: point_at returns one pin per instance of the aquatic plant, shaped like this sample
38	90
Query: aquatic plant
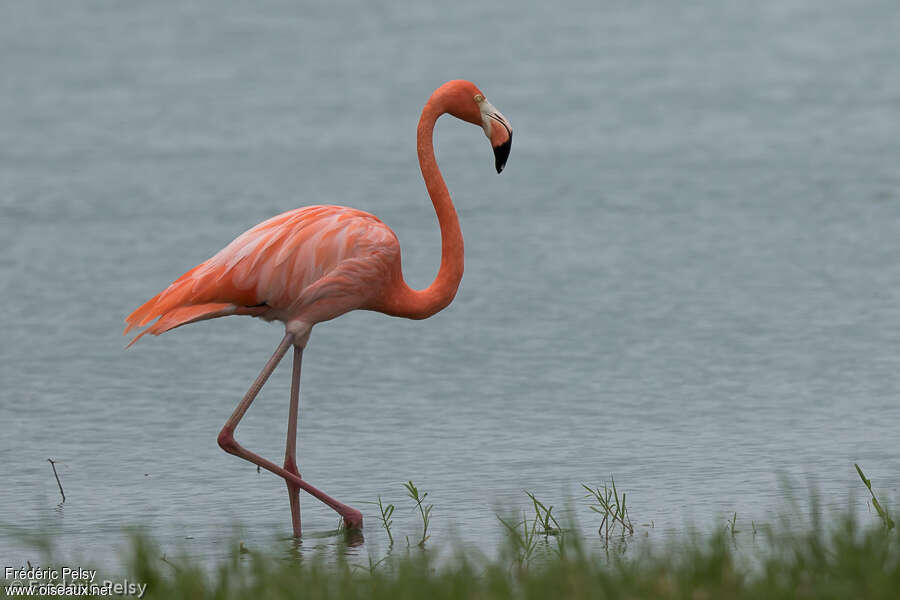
612	507
882	511
425	511
544	517
385	516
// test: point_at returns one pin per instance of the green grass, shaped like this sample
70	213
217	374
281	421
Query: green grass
836	556
849	560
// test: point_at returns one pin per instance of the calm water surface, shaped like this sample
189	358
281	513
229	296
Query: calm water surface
688	276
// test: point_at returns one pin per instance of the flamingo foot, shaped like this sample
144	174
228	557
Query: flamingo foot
353	519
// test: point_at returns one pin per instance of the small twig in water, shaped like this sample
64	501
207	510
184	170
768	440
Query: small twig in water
732	523
61	492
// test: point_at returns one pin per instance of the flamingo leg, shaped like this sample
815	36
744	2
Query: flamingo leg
352	517
290	450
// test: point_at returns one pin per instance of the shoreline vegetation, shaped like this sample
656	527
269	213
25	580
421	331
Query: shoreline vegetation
831	556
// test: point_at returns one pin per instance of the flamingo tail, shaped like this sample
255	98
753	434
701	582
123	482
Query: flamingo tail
170	318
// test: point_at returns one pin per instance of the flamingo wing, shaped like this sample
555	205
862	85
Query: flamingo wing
279	267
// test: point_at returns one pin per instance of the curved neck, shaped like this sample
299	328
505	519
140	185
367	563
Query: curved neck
420	304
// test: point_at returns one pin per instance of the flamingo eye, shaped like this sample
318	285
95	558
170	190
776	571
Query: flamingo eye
479	98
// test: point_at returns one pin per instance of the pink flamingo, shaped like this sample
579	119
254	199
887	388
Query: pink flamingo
316	263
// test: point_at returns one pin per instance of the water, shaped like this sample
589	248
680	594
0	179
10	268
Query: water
688	276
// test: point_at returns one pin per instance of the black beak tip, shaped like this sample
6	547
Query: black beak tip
501	153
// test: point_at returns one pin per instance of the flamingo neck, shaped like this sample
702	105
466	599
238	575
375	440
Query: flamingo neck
421	304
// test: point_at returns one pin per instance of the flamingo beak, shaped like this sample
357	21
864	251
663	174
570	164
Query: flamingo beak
498	131
501	153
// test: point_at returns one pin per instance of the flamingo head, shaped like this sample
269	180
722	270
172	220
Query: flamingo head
468	103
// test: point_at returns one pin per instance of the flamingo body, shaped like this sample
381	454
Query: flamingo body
310	264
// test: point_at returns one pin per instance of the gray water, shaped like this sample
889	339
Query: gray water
688	276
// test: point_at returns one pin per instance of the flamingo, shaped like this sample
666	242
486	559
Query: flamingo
315	263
